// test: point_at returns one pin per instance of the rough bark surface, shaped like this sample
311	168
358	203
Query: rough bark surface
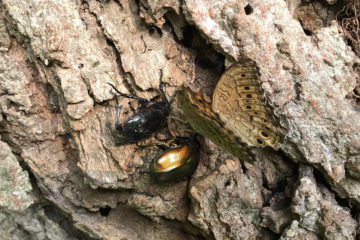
62	175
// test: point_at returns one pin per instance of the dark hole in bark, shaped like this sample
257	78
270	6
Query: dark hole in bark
155	32
105	211
151	31
307	32
248	9
227	183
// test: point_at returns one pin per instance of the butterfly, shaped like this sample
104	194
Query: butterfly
237	119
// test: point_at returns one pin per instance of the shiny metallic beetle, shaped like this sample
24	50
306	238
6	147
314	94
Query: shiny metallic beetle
176	163
147	121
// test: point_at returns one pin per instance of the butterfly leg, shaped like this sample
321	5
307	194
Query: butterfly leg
172	100
178	119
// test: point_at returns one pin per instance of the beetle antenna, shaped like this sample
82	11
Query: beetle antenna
128	95
161	87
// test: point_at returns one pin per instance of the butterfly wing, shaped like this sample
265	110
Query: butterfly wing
207	123
239	102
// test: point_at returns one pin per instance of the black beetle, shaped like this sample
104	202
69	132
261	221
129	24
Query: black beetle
147	121
176	163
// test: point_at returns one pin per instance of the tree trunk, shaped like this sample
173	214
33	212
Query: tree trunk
63	174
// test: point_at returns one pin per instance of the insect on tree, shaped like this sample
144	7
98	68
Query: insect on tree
148	120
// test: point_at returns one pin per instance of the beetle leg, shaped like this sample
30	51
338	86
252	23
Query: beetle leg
142	100
117	115
178	119
161	87
163	147
142	147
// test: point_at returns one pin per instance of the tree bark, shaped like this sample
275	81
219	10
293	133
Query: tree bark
63	175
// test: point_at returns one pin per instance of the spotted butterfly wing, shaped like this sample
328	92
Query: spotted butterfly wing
207	123
240	105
